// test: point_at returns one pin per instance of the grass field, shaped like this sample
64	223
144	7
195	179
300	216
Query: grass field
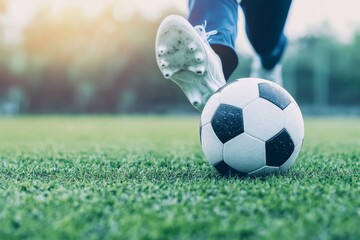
146	178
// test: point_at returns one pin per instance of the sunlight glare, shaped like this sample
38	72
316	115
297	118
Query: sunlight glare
123	11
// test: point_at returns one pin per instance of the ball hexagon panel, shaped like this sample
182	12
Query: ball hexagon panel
209	109
279	149
223	168
227	122
263	171
244	153
294	123
262	119
275	94
291	160
240	93
211	145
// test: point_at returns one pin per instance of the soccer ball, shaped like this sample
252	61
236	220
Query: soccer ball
251	127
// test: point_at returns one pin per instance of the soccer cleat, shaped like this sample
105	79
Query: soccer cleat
258	71
184	55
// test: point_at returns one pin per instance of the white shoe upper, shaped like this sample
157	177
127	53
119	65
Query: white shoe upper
258	71
184	55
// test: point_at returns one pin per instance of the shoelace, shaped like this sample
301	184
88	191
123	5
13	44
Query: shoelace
200	29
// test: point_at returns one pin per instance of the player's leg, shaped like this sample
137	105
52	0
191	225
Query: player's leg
184	54
222	16
265	21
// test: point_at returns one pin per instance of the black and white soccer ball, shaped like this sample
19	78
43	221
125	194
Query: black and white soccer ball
251	127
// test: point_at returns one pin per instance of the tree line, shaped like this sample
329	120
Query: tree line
70	63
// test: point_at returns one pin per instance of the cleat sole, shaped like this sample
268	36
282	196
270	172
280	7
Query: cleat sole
182	57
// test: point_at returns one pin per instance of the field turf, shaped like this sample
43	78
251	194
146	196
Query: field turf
146	178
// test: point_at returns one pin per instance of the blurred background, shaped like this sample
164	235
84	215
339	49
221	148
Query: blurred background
98	57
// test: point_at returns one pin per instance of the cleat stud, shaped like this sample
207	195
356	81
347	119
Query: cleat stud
199	57
167	73
163	63
192	46
200	70
161	50
192	69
